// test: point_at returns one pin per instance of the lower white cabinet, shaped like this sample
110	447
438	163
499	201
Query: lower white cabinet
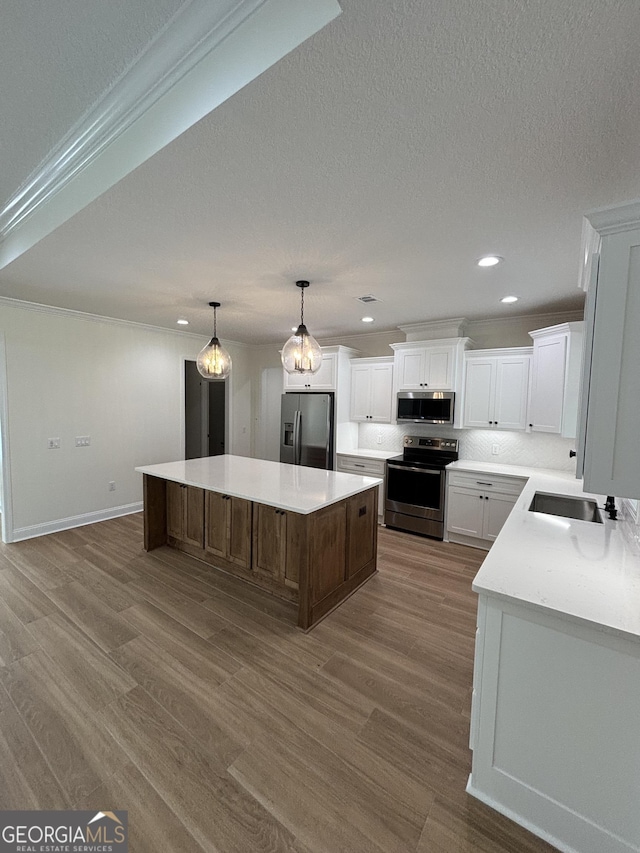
555	729
367	467
478	506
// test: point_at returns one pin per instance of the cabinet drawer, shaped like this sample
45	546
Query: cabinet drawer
488	482
361	465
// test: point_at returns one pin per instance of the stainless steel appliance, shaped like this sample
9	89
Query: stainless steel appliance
415	491
426	407
306	429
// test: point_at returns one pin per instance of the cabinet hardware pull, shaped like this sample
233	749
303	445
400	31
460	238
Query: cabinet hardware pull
480	496
357	465
482	483
486	497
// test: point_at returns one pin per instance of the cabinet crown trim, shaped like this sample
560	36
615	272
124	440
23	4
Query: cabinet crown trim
436	342
374	359
498	352
577	326
619	217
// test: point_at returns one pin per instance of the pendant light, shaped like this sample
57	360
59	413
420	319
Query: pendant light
302	353
214	362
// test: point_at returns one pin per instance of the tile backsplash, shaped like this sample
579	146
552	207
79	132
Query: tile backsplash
539	450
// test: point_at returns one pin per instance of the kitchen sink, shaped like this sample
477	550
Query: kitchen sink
583	509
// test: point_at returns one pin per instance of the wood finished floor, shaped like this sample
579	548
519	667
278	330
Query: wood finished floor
149	683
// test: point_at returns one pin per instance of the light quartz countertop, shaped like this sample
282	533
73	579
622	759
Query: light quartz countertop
290	487
580	570
506	470
370	454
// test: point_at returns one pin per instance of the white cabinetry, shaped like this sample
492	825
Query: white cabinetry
431	365
611	381
367	467
478	505
372	389
555	726
555	379
496	388
324	380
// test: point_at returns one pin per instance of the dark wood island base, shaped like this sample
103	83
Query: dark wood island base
317	559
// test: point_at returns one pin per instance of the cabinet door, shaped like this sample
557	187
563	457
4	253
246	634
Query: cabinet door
295	381
194	516
411	364
465	511
479	392
496	510
239	514
438	373
324	380
360	392
361	522
175	510
548	383
511	394
269	541
216	524
612	391
381	406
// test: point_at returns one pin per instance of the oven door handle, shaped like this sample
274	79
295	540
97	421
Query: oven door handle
419	470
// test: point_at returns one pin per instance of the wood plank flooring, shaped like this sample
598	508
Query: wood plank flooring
150	683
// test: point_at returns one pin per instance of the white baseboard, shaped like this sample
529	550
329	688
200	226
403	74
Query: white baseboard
19	534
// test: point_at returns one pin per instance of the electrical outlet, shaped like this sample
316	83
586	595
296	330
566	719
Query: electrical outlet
379	439
495	449
83	440
112	486
53	443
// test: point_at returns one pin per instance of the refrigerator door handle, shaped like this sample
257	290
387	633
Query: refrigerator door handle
297	444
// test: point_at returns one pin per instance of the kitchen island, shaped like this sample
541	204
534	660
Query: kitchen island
555	726
303	534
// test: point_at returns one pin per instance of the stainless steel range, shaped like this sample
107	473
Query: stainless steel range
415	493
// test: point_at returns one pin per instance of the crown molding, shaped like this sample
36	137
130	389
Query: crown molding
202	56
540	320
619	217
71	313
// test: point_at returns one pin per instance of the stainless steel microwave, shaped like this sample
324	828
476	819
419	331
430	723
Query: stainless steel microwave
426	407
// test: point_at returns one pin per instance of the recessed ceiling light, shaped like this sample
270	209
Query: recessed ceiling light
489	261
509	299
182	322
367	319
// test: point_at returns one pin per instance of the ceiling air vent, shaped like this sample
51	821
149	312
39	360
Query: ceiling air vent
367	299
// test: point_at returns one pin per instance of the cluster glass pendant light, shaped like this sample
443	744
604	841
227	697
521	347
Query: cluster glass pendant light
214	362
302	353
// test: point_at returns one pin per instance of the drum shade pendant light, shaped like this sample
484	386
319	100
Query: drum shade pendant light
302	353
214	362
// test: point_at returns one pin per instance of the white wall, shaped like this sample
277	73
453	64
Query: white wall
71	375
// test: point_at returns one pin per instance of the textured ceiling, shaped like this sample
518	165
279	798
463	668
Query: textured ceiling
384	156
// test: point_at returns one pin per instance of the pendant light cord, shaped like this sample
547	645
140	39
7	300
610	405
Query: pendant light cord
302	306
215	324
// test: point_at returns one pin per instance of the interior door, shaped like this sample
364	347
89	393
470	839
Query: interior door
205	414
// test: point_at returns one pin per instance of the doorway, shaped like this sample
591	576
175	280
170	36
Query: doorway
205	414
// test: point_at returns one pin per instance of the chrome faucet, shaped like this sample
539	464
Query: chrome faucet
610	507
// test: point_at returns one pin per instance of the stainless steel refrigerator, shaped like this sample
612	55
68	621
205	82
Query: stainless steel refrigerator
307	430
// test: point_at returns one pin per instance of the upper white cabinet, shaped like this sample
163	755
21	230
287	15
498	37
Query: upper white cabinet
555	378
372	389
324	380
496	388
429	365
611	379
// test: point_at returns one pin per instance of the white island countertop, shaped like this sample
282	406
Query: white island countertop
294	488
577	569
